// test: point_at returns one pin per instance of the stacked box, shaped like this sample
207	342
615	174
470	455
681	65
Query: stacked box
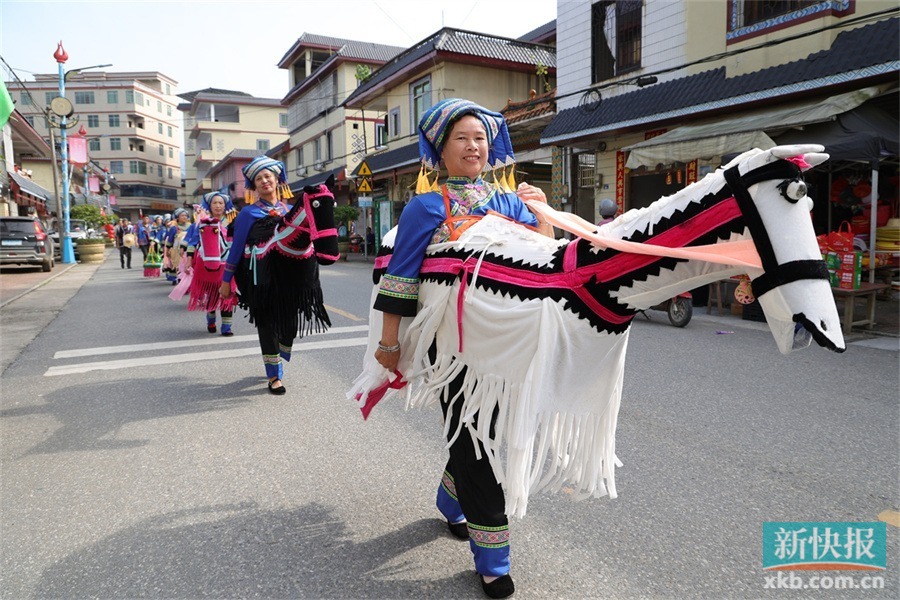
844	269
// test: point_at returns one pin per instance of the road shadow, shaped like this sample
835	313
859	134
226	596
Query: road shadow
241	551
93	415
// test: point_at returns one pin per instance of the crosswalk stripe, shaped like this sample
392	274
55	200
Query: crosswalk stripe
78	353
111	365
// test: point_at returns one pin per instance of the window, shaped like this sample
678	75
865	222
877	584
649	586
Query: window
317	149
329	145
334	89
113	120
139	98
168	110
171	153
159	106
170	172
133	166
282	119
159	127
421	100
168	90
394	123
84	97
619	22
94	145
112	96
30	120
300	161
26	99
115	166
129	96
587	169
380	135
115	143
49	96
162	150
93	120
170	130
750	18
262	145
159	171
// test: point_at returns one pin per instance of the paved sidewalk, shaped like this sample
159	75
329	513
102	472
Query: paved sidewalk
25	315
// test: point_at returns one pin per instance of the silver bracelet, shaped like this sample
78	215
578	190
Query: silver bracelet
389	349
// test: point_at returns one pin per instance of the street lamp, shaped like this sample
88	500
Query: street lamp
64	110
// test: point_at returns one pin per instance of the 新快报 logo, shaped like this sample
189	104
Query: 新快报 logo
824	546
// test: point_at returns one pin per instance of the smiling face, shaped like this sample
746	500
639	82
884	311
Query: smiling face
465	152
182	218
266	184
217	207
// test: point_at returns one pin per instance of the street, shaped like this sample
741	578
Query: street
143	457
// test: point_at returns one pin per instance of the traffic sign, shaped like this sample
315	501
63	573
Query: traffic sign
364	201
364	170
365	185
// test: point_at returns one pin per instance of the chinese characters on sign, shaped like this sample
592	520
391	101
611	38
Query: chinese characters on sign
824	545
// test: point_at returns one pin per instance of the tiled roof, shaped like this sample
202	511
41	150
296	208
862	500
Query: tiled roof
465	43
864	52
312	40
392	159
30	186
236	154
189	96
516	112
318	178
541	34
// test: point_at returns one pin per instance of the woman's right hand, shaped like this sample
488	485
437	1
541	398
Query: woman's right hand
225	290
388	360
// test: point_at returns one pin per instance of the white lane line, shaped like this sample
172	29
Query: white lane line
128	363
184	343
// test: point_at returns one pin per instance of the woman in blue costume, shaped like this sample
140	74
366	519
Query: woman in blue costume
464	138
255	222
173	247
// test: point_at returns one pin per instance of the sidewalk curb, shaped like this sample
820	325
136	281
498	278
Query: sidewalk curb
43	283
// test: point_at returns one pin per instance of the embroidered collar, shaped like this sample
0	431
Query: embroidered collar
467	194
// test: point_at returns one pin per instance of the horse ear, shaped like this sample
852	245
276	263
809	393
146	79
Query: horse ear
815	158
329	183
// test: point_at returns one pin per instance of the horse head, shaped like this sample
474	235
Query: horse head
308	228
318	202
793	287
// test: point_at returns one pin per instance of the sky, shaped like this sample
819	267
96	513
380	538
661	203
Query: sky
228	44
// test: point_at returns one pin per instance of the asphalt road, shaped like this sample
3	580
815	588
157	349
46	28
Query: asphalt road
146	472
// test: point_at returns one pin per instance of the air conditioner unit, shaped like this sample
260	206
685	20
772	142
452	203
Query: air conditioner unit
301	171
319	166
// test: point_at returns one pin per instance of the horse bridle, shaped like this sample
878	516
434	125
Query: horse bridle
775	274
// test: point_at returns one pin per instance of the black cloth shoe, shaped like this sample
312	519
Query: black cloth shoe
278	391
459	530
212	328
502	587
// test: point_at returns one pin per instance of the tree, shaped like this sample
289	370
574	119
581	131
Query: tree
88	213
346	214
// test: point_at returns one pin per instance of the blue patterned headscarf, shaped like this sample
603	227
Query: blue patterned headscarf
253	168
208	198
436	123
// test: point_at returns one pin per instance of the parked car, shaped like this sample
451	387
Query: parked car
24	241
77	229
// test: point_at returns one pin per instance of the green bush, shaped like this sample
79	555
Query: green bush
89	241
88	213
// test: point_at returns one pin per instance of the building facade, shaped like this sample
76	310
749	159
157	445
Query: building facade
218	121
133	130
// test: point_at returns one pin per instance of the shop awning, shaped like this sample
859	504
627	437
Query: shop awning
739	134
30	187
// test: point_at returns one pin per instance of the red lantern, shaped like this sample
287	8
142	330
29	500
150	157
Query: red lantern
669	178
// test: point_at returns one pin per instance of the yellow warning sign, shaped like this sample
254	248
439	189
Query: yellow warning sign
364	170
365	185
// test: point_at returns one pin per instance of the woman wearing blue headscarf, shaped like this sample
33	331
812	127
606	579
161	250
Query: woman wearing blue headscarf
464	138
265	179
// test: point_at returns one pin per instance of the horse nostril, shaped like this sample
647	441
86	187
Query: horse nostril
823	325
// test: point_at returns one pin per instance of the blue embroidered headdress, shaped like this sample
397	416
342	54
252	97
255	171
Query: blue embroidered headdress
435	125
260	163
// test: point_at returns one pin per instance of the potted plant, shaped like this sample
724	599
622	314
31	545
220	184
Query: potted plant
91	250
344	214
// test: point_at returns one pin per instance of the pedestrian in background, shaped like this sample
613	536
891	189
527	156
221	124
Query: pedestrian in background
608	210
142	232
123	242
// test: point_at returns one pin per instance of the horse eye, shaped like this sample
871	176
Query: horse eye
793	190
315	203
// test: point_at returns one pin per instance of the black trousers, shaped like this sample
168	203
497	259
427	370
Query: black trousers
125	256
145	249
273	349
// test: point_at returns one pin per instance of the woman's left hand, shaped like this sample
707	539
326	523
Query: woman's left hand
526	191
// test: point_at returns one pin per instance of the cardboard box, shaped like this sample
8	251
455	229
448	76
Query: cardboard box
849	260
848	279
831	260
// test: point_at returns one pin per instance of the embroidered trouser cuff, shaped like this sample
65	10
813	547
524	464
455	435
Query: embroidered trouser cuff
274	367
446	500
490	545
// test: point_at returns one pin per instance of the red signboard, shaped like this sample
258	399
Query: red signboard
78	150
691	172
94	184
620	180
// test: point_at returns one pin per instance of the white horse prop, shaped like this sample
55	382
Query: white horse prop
542	325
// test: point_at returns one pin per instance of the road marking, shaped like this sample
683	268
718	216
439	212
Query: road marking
128	363
345	314
891	517
184	344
